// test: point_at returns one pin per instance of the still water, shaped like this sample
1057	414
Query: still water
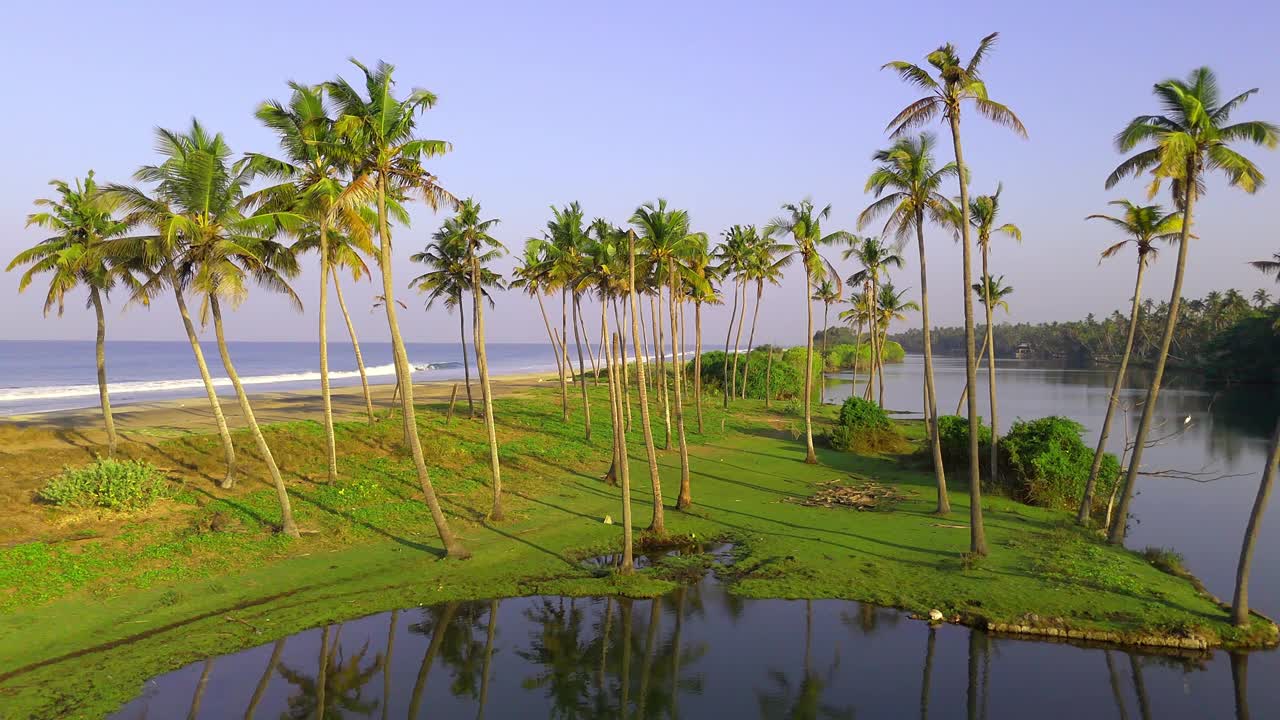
701	652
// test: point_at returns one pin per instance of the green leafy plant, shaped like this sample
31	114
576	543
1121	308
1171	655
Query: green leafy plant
864	427
953	435
113	484
1046	463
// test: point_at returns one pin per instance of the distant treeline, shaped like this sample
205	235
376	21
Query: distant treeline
1224	334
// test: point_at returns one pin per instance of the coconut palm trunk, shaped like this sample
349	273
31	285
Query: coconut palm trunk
729	380
326	399
655	314
810	455
228	448
990	342
261	690
621	456
486	392
582	371
626	376
555	350
287	525
355	345
977	533
404	376
751	336
1086	503
658	525
586	338
466	360
697	362
964	392
1240	605
433	650
685	498
490	634
1121	520
566	373
100	356
737	338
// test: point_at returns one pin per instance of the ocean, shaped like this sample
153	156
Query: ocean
44	376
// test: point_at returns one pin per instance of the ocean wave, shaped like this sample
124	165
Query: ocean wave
52	392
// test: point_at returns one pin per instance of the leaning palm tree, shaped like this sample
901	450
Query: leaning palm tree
313	184
381	130
984	212
71	256
803	223
701	290
530	276
1240	603
448	280
1144	225
1268	267
1189	141
734	255
657	525
481	247
562	246
906	185
827	294
204	244
766	259
876	257
956	83
669	239
891	306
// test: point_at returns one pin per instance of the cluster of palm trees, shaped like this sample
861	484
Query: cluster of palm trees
351	160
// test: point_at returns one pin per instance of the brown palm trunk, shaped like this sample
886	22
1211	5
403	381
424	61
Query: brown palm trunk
655	314
551	336
990	341
433	649
326	400
228	448
490	635
810	455
730	381
964	392
751	337
201	684
100	354
737	339
1240	606
621	457
1086	503
486	393
387	661
1121	520
977	533
697	362
265	680
626	379
562	349
657	526
355	344
586	337
404	376
287	525
685	497
582	370
466	361
322	675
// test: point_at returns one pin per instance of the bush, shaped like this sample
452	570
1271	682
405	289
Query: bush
864	427
953	433
1045	462
786	377
112	484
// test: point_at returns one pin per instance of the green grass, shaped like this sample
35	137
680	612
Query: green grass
83	624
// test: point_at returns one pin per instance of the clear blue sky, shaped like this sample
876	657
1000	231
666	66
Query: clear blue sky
726	108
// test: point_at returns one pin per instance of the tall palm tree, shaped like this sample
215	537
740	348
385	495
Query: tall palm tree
906	184
765	261
858	315
205	244
984	213
1240	603
734	255
381	130
956	83
876	257
312	171
1262	298
803	222
80	224
1268	267
563	243
669	238
701	290
448	280
1144	225
530	275
657	525
1189	141
481	247
827	294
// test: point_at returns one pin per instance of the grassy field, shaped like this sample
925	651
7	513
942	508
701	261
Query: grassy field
99	603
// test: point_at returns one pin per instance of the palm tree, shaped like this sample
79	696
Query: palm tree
827	294
876	258
479	248
1240	604
734	256
906	185
531	276
205	244
669	239
447	280
1261	299
984	211
71	256
766	259
957	83
1268	267
565	238
991	290
856	317
1191	140
1144	225
381	131
313	172
701	290
804	224
658	525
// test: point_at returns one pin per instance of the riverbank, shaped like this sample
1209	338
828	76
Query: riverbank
204	574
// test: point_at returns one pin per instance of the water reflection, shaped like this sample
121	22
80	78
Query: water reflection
697	652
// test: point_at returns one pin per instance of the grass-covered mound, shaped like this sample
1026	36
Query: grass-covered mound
864	427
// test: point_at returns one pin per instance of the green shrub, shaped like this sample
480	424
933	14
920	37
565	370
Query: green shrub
1167	559
864	427
112	484
785	377
1045	462
841	357
953	432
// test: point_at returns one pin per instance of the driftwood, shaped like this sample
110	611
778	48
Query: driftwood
866	496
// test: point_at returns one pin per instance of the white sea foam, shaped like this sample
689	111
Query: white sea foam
52	392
